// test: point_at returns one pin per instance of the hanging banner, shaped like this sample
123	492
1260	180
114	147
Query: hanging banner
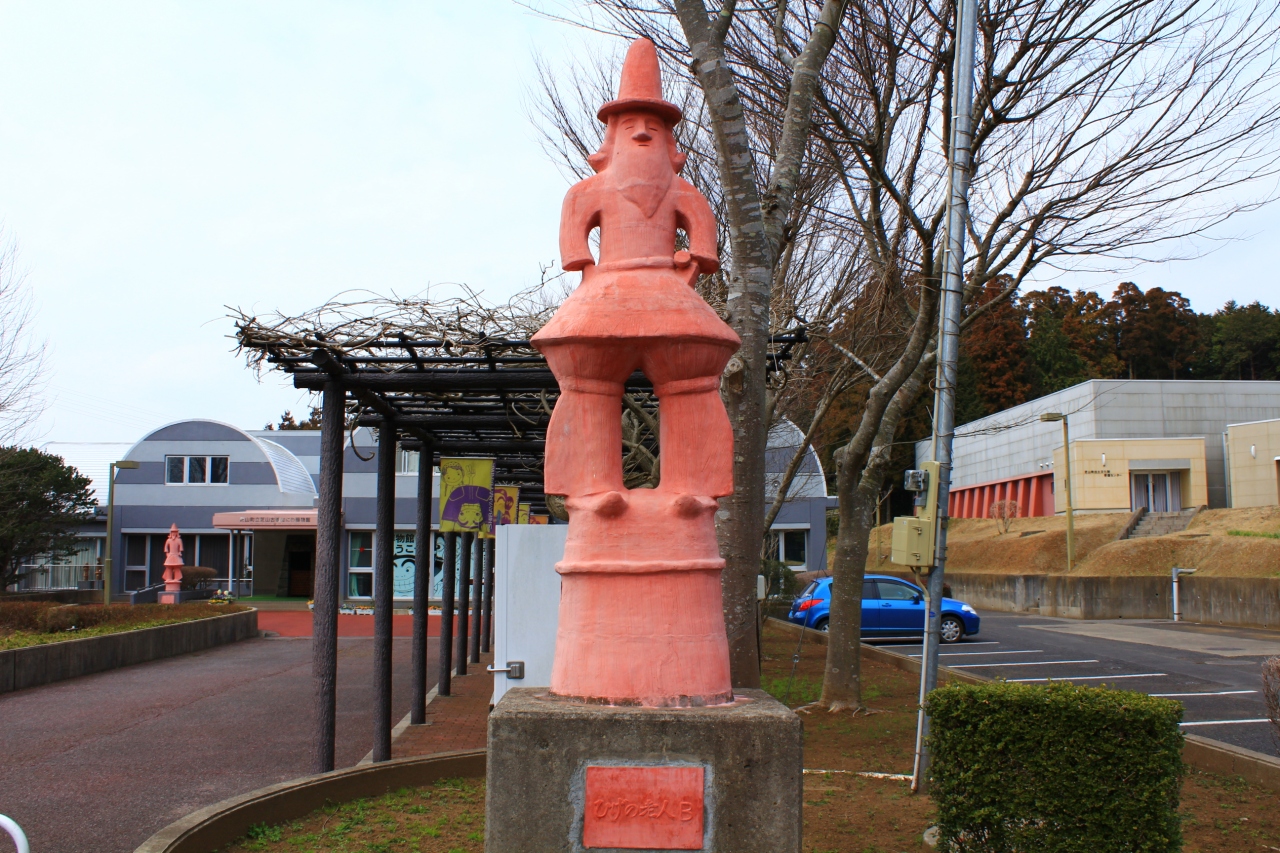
522	514
539	519
505	500
466	496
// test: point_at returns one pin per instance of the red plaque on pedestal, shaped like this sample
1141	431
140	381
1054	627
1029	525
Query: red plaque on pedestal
643	808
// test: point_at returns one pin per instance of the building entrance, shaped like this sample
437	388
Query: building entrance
1159	491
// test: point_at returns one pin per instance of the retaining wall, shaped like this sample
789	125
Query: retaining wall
36	665
1245	602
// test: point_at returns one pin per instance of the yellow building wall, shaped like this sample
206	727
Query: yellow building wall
1099	485
1251	451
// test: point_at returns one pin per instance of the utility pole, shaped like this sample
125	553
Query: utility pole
959	159
124	464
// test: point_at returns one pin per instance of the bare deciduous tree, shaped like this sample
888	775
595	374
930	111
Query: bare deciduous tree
1100	128
22	356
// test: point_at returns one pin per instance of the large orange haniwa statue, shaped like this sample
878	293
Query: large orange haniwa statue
640	608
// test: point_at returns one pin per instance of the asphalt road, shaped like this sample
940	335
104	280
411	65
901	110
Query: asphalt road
1214	671
100	763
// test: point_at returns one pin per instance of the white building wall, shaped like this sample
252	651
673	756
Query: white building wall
1014	442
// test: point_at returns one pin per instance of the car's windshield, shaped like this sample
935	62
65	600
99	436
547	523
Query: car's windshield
808	590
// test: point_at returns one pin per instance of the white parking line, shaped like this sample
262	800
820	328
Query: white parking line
909	645
971	654
1092	677
1224	722
1218	693
1018	663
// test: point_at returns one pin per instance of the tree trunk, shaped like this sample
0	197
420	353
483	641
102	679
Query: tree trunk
842	679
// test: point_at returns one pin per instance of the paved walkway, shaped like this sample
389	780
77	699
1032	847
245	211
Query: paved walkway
457	721
100	763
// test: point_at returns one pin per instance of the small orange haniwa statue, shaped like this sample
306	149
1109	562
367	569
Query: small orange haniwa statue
640	609
173	560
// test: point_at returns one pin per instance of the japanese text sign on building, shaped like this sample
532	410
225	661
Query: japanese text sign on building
466	496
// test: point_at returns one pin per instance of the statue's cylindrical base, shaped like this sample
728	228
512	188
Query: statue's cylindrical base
651	637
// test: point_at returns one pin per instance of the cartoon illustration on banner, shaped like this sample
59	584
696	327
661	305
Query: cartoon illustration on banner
505	499
466	496
522	514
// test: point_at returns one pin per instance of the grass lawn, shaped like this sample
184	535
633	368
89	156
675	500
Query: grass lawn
843	812
29	623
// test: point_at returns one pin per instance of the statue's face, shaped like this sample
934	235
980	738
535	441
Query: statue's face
641	130
470	516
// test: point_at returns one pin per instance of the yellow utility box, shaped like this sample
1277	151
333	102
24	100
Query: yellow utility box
915	537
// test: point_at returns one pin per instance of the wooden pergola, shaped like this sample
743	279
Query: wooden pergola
449	378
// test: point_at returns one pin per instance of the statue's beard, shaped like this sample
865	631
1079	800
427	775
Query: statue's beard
643	175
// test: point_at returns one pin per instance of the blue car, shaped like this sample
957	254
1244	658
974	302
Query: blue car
890	608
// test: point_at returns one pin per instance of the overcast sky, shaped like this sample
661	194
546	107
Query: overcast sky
161	160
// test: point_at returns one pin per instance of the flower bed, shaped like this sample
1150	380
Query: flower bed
33	623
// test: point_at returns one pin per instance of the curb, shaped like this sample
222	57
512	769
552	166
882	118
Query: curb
222	823
1210	756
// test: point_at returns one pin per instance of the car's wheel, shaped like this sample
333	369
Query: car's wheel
821	625
951	629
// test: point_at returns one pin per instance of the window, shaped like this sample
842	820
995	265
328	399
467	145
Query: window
135	550
789	547
361	549
407	462
360	565
196	470
895	591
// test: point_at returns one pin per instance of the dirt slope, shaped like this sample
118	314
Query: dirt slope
1039	546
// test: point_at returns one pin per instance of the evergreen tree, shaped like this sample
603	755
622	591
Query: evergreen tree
1245	342
1158	332
996	347
42	502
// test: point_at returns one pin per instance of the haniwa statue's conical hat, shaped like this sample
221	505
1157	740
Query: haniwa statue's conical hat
641	85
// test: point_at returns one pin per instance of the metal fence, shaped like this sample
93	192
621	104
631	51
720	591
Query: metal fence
60	576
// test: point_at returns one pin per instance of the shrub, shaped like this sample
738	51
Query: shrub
192	576
1055	768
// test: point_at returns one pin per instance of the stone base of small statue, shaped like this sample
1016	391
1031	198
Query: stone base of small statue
566	777
169	596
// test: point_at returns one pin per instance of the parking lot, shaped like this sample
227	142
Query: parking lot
1213	671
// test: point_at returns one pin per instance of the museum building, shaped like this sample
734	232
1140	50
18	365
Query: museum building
244	501
1159	445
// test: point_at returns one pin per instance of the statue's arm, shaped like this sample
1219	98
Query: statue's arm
578	216
694	215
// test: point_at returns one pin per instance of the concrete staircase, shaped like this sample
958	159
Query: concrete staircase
1162	523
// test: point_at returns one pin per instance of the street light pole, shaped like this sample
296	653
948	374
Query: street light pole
124	464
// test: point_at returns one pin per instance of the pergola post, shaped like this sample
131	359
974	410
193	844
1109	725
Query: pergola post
384	551
464	601
450	581
324	630
422	557
477	592
486	613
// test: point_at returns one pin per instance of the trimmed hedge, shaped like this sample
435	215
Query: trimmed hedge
1055	769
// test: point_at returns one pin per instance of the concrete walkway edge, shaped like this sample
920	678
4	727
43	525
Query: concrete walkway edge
222	823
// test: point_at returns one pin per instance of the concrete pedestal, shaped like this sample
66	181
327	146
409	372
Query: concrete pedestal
565	777
165	596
